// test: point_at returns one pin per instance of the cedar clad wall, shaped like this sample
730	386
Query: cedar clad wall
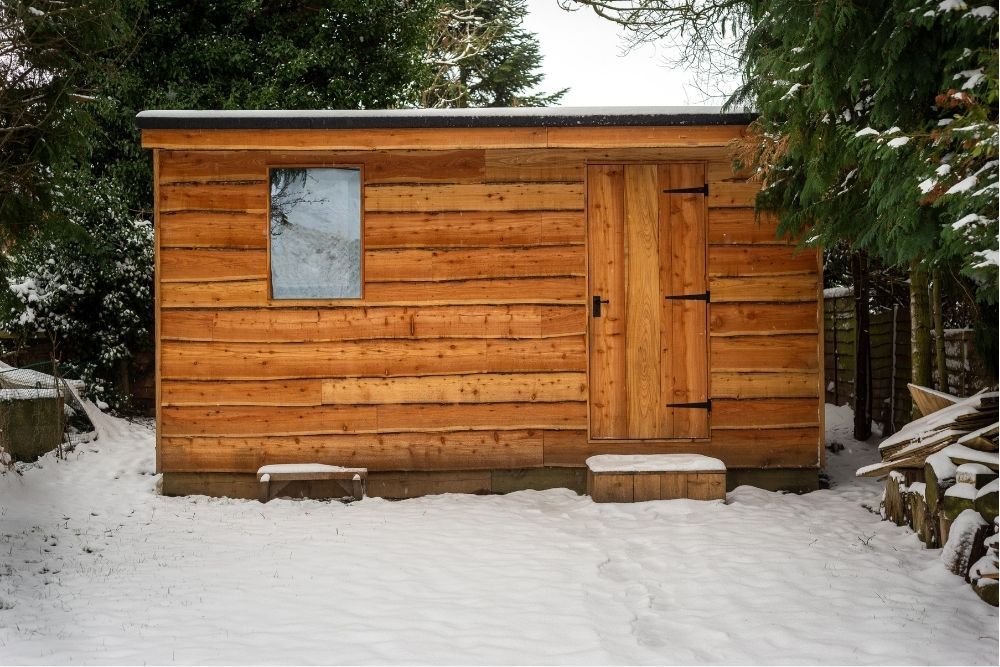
469	349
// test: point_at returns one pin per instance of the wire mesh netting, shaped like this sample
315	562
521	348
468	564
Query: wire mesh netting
40	411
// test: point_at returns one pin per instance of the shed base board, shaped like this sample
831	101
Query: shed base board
412	484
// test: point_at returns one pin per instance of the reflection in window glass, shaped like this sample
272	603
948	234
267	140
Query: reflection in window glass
315	233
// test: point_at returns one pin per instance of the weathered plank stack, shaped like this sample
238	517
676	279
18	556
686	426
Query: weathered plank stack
942	481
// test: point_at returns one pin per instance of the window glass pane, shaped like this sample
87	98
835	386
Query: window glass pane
315	233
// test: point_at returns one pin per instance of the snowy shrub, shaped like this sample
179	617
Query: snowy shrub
86	286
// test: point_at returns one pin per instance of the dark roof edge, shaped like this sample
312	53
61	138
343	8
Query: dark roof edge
440	118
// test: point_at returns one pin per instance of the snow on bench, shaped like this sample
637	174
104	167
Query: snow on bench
274	478
639	477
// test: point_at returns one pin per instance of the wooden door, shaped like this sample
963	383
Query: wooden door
649	301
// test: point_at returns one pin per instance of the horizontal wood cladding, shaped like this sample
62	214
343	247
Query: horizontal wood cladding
389	451
475	197
481	388
739	226
406	265
473	228
253	293
207	229
476	388
764	413
764	353
468	350
446	139
442	229
379	166
260	421
414	265
366	323
779	289
742	384
750	260
736	319
386	358
756	448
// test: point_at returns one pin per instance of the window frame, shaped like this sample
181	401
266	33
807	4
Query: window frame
317	301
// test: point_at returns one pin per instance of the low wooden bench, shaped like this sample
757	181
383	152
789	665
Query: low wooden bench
632	478
274	478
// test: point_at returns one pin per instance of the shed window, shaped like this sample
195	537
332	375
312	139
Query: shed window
315	229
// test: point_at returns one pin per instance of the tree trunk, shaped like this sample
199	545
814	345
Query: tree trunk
920	328
862	350
942	361
124	383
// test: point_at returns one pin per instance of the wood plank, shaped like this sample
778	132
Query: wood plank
684	372
762	353
253	293
568	164
460	450
479	388
611	488
763	448
206	265
732	319
200	229
347	139
475	197
606	228
387	358
472	228
736	260
413	265
739	226
379	166
769	448
253	392
481	416
268	420
559	289
706	486
673	485
652	136
233	294
732	194
764	412
642	302
781	289
366	323
261	421
214	197
645	487
764	385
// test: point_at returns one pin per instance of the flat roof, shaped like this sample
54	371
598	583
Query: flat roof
431	118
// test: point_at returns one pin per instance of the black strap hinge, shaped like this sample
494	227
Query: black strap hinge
705	296
704	405
701	189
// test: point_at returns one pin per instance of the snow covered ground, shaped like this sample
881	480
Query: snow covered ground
95	567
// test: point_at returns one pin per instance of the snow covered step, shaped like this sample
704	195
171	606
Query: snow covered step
275	478
628	478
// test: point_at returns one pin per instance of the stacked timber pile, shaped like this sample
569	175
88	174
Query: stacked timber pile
941	480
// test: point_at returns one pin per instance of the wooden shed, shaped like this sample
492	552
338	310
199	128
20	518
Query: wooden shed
473	300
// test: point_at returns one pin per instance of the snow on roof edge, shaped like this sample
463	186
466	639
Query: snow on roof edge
431	118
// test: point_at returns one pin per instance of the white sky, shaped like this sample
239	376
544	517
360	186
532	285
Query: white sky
584	52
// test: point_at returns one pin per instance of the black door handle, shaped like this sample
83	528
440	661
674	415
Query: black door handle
597	305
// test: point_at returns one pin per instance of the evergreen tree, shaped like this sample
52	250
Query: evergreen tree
257	54
482	57
878	127
48	49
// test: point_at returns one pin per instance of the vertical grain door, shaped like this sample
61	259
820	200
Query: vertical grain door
649	301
